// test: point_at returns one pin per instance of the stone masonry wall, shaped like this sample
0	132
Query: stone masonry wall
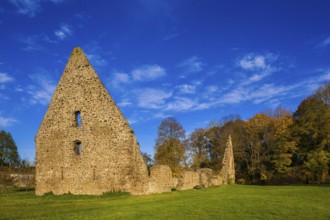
160	179
84	144
188	180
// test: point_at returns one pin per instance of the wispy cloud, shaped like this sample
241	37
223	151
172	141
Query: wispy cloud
63	32
180	104
260	66
170	34
143	73
324	43
96	60
31	43
148	72
4	78
6	122
27	7
120	78
42	91
270	91
253	62
152	98
124	103
31	7
192	65
187	89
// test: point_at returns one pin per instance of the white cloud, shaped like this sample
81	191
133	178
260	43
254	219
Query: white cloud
27	7
119	78
192	65
4	78
124	103
6	122
253	62
152	98
211	89
43	91
180	104
64	31
325	42
31	43
31	7
148	72
325	76
187	89
271	92
96	60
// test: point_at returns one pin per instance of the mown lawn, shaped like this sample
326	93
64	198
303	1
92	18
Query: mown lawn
224	202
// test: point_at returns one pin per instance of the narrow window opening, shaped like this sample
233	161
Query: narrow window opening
78	118
62	174
94	173
78	147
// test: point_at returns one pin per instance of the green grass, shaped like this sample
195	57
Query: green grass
224	202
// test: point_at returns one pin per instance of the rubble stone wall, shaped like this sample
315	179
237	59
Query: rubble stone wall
84	144
160	179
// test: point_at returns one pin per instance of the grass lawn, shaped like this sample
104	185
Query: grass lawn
224	202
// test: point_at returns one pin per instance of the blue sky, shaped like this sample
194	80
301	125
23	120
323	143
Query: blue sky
196	60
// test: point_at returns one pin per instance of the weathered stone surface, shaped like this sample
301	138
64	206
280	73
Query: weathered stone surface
174	182
188	180
23	180
205	177
216	180
84	144
228	167
160	179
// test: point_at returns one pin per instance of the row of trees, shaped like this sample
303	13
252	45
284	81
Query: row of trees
271	147
10	163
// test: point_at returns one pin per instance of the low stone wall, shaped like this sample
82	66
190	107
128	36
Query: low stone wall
188	180
23	180
205	177
160	179
201	178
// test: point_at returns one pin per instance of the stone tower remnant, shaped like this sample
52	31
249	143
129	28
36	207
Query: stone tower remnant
84	144
228	167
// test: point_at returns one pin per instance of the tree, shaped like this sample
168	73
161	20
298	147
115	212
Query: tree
323	94
312	132
198	148
148	160
8	150
170	148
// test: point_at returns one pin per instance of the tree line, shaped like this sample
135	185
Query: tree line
10	163
272	147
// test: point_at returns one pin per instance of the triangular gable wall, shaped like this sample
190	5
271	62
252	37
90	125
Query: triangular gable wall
84	144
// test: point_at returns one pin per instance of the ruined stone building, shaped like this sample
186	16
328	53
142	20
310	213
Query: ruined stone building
85	145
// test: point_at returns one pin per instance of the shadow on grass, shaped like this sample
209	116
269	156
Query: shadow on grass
24	189
73	196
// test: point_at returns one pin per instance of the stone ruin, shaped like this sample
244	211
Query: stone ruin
85	145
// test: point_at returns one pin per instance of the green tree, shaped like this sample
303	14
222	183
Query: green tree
170	148
270	145
198	149
312	132
8	150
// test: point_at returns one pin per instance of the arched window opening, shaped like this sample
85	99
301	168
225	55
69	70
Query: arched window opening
77	118
77	147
